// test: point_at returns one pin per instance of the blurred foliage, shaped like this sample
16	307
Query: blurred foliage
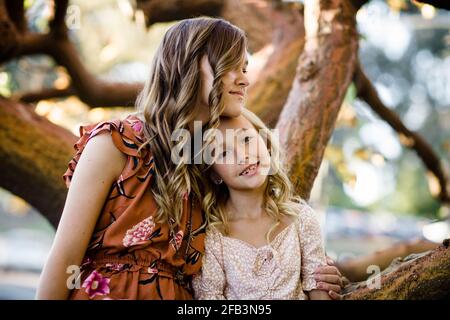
406	55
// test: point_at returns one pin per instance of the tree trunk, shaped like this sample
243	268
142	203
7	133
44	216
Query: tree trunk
325	70
268	94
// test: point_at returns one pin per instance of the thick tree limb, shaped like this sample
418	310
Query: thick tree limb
33	156
171	10
417	277
8	32
58	23
368	93
16	12
356	269
324	73
49	93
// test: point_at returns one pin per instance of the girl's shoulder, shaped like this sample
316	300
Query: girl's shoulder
127	136
305	213
213	232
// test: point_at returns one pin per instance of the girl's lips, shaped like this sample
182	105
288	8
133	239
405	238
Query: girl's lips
250	170
238	93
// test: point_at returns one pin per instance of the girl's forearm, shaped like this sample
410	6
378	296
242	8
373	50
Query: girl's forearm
54	281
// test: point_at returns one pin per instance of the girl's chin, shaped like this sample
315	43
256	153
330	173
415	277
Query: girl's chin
232	111
250	183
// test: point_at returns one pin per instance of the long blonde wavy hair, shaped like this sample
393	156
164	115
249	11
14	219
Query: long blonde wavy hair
279	199
168	101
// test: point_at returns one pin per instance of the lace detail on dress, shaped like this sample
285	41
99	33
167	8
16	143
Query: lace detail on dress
234	269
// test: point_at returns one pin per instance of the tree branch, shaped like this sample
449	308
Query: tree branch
172	10
8	32
94	92
436	3
33	155
357	4
58	24
48	93
16	12
368	93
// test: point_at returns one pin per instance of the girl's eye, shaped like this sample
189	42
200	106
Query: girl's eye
244	70
220	155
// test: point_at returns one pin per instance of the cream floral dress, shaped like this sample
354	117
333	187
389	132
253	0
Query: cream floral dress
235	269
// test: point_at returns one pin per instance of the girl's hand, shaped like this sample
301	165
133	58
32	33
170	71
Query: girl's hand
329	279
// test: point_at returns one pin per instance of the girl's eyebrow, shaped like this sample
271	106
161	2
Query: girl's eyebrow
236	132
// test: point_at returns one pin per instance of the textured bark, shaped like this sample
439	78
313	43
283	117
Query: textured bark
418	277
356	269
325	70
34	154
268	94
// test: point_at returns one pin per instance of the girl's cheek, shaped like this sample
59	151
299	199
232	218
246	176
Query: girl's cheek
221	170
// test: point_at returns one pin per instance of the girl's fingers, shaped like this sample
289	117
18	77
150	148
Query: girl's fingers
327	287
328	270
331	279
330	261
333	295
345	281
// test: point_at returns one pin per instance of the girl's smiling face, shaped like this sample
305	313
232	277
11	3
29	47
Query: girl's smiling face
242	158
234	83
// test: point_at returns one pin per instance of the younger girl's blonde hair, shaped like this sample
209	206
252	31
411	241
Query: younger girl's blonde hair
279	199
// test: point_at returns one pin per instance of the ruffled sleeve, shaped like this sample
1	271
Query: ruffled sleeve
312	250
209	284
127	136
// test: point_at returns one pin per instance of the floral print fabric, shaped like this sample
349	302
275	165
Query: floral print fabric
130	255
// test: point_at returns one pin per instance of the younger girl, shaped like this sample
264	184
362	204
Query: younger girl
262	242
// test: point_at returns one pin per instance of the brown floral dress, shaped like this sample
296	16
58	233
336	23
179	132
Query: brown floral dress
130	255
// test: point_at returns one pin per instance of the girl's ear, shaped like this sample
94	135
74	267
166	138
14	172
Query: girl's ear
216	178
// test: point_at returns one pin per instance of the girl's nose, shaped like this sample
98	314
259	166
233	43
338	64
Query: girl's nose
243	81
243	159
